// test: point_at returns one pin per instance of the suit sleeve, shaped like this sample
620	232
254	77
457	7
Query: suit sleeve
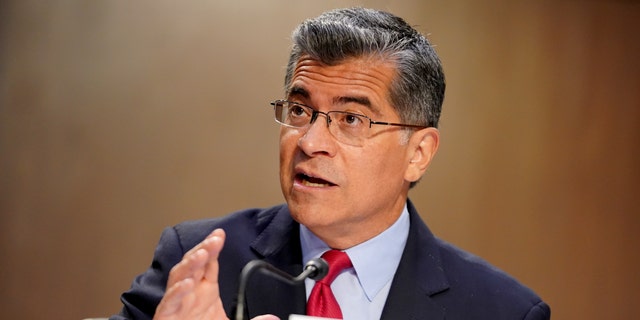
147	289
540	311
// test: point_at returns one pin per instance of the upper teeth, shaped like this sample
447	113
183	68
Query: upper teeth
313	184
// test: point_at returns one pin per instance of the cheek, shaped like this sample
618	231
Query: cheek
288	143
363	170
386	166
288	151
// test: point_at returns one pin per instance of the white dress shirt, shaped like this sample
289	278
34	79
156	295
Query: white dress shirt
362	290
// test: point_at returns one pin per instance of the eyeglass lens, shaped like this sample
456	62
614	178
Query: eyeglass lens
348	128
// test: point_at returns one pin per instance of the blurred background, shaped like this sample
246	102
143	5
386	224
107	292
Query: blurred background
119	118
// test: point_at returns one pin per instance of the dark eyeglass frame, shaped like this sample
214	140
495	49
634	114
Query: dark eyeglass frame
314	116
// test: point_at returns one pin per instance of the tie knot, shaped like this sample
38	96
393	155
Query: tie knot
338	261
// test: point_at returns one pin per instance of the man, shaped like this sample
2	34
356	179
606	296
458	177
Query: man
363	94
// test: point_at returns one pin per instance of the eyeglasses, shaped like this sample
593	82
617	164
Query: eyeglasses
351	128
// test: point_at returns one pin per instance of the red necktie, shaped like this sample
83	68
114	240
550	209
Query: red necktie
322	302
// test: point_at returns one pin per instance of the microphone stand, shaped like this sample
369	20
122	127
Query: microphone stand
315	269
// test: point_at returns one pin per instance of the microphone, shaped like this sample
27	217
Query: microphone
315	269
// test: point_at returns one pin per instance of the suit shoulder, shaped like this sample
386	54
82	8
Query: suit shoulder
247	221
485	284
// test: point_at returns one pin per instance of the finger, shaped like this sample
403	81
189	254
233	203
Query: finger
176	298
193	263
192	288
211	268
191	266
215	233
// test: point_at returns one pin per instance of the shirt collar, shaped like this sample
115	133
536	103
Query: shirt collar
375	261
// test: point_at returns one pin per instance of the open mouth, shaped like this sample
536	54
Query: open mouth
312	181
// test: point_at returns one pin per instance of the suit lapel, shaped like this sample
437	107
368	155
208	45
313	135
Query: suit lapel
419	276
279	245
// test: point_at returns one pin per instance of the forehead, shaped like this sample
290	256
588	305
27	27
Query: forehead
361	80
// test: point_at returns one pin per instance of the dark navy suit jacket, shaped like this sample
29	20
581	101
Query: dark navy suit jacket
434	280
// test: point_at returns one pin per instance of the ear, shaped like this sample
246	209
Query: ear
423	145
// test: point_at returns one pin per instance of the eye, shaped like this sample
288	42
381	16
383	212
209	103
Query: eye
297	110
351	120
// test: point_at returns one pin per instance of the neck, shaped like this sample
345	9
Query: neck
343	237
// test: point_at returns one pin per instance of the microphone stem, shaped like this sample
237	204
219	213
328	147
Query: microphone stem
260	264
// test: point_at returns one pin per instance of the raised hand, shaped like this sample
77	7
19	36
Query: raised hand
192	289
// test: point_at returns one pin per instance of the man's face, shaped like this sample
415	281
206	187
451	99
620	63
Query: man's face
345	194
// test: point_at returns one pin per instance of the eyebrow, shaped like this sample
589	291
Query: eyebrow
361	100
298	91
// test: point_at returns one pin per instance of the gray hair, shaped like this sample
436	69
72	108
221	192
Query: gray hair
416	92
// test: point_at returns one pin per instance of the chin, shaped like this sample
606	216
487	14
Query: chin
310	215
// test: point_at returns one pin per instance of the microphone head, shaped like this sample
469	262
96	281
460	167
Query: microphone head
319	267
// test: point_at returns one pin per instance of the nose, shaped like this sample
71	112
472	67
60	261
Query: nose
318	138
